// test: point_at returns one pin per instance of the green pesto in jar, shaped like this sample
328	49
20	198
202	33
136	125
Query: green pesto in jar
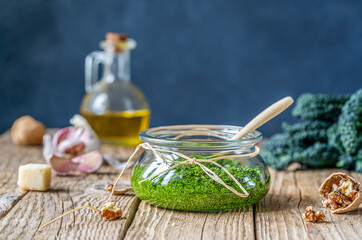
187	187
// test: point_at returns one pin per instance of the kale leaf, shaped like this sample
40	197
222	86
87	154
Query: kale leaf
330	135
350	124
319	106
276	151
317	156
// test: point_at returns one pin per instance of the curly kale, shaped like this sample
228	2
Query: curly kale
346	161
318	155
275	152
350	124
278	154
334	138
277	161
358	165
306	133
277	142
351	162
305	126
346	135
308	138
319	106
331	134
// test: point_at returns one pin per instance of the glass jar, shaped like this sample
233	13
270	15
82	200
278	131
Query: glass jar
115	108
187	186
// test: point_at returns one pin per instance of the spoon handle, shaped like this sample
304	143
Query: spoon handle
263	117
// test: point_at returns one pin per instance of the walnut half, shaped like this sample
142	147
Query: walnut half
312	216
111	212
341	193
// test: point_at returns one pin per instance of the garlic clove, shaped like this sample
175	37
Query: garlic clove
89	162
62	165
78	135
92	144
71	146
62	134
88	136
48	149
91	141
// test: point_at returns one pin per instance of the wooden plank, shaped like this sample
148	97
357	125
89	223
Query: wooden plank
157	223
11	157
277	215
336	226
38	208
22	212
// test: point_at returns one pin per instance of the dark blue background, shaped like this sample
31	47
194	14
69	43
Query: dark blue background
203	61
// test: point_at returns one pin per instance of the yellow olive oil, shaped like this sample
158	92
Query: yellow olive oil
119	127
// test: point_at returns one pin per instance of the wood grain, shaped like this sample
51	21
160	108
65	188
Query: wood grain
336	226
22	212
38	208
156	223
11	158
277	216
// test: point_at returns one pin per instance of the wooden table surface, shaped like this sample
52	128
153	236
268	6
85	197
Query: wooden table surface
277	216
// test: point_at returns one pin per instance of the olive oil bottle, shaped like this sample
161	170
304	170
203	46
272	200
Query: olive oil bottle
119	127
115	108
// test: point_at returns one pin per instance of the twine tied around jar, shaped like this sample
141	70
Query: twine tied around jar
188	160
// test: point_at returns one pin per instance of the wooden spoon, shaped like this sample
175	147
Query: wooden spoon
263	117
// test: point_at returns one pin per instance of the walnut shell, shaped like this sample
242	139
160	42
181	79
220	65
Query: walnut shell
27	131
327	187
111	212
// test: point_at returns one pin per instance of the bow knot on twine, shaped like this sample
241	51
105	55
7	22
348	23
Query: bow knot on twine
193	160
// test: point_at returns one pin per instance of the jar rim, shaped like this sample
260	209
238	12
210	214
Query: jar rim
182	136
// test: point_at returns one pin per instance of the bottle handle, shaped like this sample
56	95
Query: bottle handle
92	62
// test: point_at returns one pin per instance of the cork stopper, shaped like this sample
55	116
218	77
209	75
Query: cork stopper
116	36
117	42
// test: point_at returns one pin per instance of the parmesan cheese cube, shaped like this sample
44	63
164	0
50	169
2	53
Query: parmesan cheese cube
34	176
